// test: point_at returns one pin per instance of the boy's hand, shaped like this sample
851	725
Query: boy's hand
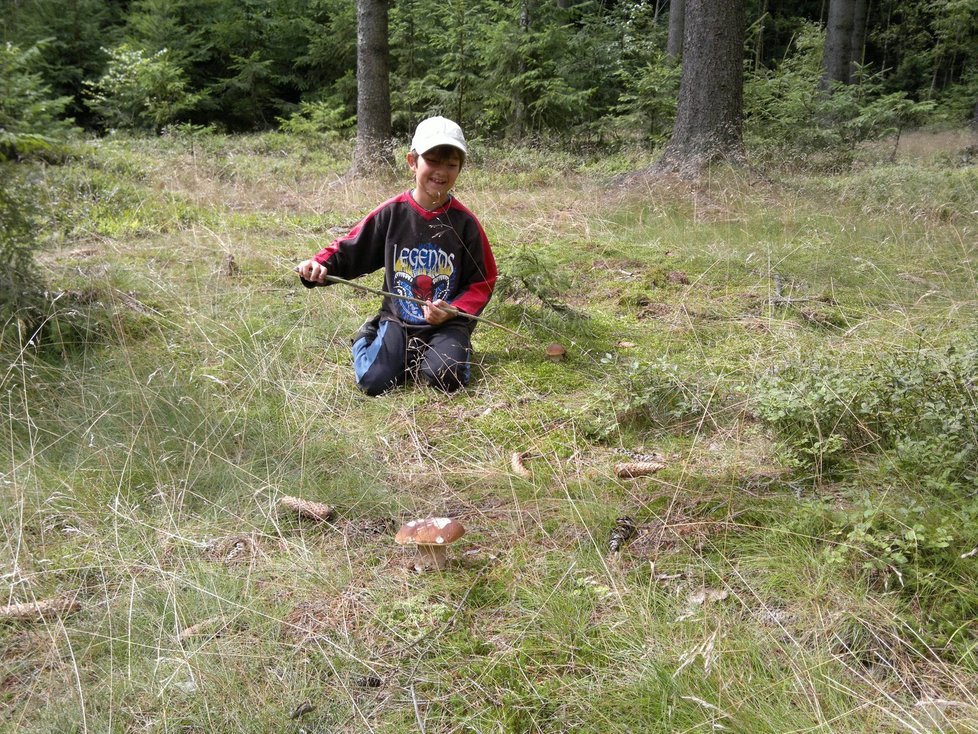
438	312
312	271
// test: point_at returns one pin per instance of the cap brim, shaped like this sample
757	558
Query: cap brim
444	140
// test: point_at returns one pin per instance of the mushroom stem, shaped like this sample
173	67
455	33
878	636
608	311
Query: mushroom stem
432	557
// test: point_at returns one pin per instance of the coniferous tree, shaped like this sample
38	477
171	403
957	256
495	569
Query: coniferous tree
29	126
837	59
709	123
73	33
326	62
677	12
857	44
373	87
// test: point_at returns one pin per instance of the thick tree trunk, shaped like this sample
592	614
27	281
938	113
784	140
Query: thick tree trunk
709	124
857	45
373	146
677	17
838	42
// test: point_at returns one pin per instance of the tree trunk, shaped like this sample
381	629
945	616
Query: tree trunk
857	45
759	40
518	124
838	42
709	119
677	19
373	145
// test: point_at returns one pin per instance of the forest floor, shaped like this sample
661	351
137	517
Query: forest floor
796	349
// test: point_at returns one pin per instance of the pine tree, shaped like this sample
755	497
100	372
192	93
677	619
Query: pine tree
29	125
709	116
373	87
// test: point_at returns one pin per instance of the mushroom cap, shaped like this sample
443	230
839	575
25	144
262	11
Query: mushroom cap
556	350
430	531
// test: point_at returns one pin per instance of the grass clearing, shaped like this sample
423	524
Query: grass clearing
805	561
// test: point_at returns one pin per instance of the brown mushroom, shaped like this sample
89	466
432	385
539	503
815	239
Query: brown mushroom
432	536
555	352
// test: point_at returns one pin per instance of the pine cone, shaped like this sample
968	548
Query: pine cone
516	462
632	469
305	508
213	626
623	530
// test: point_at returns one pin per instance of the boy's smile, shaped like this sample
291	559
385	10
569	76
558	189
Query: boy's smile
434	175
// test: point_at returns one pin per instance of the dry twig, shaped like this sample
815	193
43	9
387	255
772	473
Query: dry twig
33	611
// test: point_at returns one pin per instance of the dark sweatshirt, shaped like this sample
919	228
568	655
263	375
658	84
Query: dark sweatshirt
426	255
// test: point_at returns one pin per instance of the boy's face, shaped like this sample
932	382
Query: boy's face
435	172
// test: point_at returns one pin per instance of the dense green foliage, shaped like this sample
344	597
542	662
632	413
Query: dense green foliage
140	91
30	125
18	276
787	112
584	69
30	115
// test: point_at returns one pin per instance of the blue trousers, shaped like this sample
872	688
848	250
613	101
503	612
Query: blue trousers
386	354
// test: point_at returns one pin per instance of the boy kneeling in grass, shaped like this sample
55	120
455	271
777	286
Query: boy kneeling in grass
432	249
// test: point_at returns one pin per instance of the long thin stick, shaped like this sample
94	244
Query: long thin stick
451	309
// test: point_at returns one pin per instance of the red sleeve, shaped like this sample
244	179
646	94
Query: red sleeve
475	295
361	250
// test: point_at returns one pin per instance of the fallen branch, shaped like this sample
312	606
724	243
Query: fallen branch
33	611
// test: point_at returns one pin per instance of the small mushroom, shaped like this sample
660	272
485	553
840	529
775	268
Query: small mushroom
555	352
432	536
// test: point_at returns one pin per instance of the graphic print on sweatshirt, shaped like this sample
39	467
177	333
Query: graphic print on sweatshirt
424	272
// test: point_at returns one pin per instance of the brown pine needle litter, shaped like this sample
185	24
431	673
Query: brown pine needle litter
37	610
516	462
632	469
305	508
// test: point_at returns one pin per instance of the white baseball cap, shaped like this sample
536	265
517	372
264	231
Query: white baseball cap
437	131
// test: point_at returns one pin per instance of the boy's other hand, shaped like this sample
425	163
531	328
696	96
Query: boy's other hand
437	312
312	271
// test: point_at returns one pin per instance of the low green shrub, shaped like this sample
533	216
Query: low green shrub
19	279
944	194
886	543
917	405
911	551
659	394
